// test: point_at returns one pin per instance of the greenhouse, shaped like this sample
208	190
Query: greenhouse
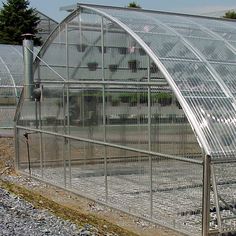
136	110
11	82
12	73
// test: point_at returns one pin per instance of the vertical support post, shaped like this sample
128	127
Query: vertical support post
80	30
36	115
17	149
64	130
206	195
104	110
215	191
149	139
28	48
68	105
68	132
41	136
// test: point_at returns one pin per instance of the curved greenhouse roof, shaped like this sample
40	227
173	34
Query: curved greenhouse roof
11	81
196	55
11	72
46	25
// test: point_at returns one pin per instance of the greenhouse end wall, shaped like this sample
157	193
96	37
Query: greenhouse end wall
110	126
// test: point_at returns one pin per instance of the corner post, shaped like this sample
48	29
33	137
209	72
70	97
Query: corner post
206	195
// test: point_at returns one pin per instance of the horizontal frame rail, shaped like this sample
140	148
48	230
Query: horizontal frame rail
98	82
184	159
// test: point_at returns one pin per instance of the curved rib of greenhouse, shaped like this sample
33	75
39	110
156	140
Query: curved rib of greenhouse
196	55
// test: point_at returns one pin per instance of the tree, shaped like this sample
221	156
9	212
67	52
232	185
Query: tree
16	18
133	5
230	14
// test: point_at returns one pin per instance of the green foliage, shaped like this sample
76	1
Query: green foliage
16	18
133	5
230	14
163	98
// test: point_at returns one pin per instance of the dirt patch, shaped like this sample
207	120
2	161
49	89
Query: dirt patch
70	206
7	156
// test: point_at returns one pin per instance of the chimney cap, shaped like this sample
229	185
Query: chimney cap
28	36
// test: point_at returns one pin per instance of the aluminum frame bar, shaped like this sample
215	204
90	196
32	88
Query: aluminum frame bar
184	159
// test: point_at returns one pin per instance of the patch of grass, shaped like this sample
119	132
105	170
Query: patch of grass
64	212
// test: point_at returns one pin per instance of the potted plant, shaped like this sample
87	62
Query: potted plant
81	47
143	98
133	65
153	68
124	97
115	102
142	52
92	66
164	99
113	67
133	100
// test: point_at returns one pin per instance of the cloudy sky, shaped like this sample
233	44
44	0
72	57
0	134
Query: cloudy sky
51	7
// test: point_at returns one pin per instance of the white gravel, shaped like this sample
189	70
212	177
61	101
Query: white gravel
18	217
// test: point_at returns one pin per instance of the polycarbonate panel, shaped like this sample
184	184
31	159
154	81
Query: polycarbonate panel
197	82
46	26
164	43
227	71
11	65
212	109
224	29
183	44
127	180
225	177
11	75
214	50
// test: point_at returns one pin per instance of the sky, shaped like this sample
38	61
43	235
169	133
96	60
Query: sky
51	7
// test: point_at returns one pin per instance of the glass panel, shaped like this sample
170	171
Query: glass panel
127	116
87	169
171	132
177	194
214	50
52	109
225	176
227	72
124	59
86	114
213	110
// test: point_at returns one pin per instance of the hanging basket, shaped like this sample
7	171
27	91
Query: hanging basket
153	68
92	66
81	47
113	67
142	51
122	50
133	65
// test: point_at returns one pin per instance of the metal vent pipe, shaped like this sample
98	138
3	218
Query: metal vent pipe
28	47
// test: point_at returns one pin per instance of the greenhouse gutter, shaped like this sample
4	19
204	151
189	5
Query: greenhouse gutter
184	159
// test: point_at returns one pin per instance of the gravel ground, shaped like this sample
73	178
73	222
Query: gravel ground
18	217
